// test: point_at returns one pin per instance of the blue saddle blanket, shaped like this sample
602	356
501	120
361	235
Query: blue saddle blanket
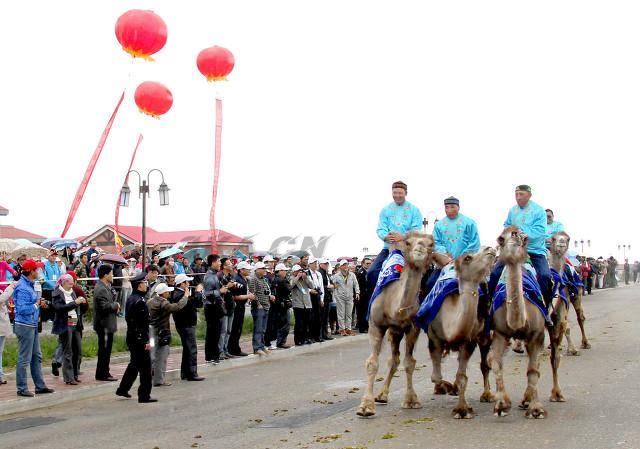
391	270
447	284
572	280
531	291
559	286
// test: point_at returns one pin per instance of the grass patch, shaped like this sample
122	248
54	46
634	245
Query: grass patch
417	421
389	435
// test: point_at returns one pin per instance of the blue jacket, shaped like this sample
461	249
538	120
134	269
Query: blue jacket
52	273
26	302
532	220
400	219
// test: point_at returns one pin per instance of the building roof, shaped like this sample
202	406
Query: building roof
9	232
134	233
4	211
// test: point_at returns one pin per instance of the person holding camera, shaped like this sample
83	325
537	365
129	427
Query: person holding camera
227	280
104	320
214	309
279	322
317	301
186	321
240	297
301	284
259	286
159	311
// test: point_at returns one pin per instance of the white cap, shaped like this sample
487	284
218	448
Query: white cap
259	265
182	278
324	260
296	268
281	267
242	265
343	262
163	288
312	260
268	258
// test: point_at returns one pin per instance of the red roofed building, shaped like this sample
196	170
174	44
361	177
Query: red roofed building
9	232
227	243
3	211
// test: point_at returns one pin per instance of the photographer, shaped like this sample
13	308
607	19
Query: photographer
301	302
214	309
259	286
279	322
226	278
240	297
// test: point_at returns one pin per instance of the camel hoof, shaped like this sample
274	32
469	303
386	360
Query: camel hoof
586	345
556	396
502	408
462	412
367	408
536	411
443	387
382	398
412	404
487	396
573	351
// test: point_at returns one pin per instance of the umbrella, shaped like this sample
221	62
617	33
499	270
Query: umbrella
239	254
127	248
29	249
113	258
299	254
191	254
169	252
7	245
259	253
60	243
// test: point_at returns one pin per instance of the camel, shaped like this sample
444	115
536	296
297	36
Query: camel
394	310
457	327
517	318
557	260
576	302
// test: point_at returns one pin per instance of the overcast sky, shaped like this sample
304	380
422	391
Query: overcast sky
329	103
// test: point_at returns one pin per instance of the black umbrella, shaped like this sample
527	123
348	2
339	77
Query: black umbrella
300	254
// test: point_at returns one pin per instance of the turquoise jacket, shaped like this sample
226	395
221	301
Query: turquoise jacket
52	273
456	237
554	227
401	219
532	220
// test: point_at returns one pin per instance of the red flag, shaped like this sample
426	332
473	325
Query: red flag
216	174
92	164
126	180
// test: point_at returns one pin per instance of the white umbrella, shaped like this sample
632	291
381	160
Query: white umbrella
29	249
7	245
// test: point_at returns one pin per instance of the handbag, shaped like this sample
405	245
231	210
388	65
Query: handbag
164	337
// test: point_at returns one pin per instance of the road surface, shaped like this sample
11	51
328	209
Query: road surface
309	401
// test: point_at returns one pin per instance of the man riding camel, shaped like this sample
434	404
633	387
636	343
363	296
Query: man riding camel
531	219
396	220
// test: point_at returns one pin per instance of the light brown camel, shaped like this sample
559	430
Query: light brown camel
393	310
576	301
517	318
457	327
559	310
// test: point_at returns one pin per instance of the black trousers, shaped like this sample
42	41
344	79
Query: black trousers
315	318
211	348
362	307
140	363
324	320
233	346
277	325
71	341
301	327
105	342
189	364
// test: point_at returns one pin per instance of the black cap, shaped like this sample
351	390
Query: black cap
140	277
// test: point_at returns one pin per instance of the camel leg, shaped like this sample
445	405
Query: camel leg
503	403
555	335
439	386
410	396
485	367
571	349
462	409
376	338
577	305
395	337
530	401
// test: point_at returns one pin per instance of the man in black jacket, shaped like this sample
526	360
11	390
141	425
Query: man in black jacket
185	321
137	316
104	320
362	305
241	295
328	290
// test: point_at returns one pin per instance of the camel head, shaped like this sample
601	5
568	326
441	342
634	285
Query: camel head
560	243
513	245
417	249
475	267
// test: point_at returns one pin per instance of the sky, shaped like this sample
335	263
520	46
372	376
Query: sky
328	104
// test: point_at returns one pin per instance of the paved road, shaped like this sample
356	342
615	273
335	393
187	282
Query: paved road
309	401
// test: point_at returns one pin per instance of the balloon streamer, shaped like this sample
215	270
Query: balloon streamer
216	175
118	241
92	164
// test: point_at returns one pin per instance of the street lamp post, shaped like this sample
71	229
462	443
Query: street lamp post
624	247
425	222
582	242
143	190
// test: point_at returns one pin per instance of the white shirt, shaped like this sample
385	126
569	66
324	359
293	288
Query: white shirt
316	278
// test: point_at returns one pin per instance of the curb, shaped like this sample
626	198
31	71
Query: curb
21	405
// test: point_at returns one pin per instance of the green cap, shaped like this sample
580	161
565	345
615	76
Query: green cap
523	188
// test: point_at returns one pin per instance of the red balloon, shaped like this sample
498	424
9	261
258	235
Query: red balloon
141	33
153	98
215	63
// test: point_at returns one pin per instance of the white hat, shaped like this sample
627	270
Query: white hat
296	268
94	255
182	278
259	265
268	258
132	259
242	265
324	260
312	260
343	262
163	288
281	267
